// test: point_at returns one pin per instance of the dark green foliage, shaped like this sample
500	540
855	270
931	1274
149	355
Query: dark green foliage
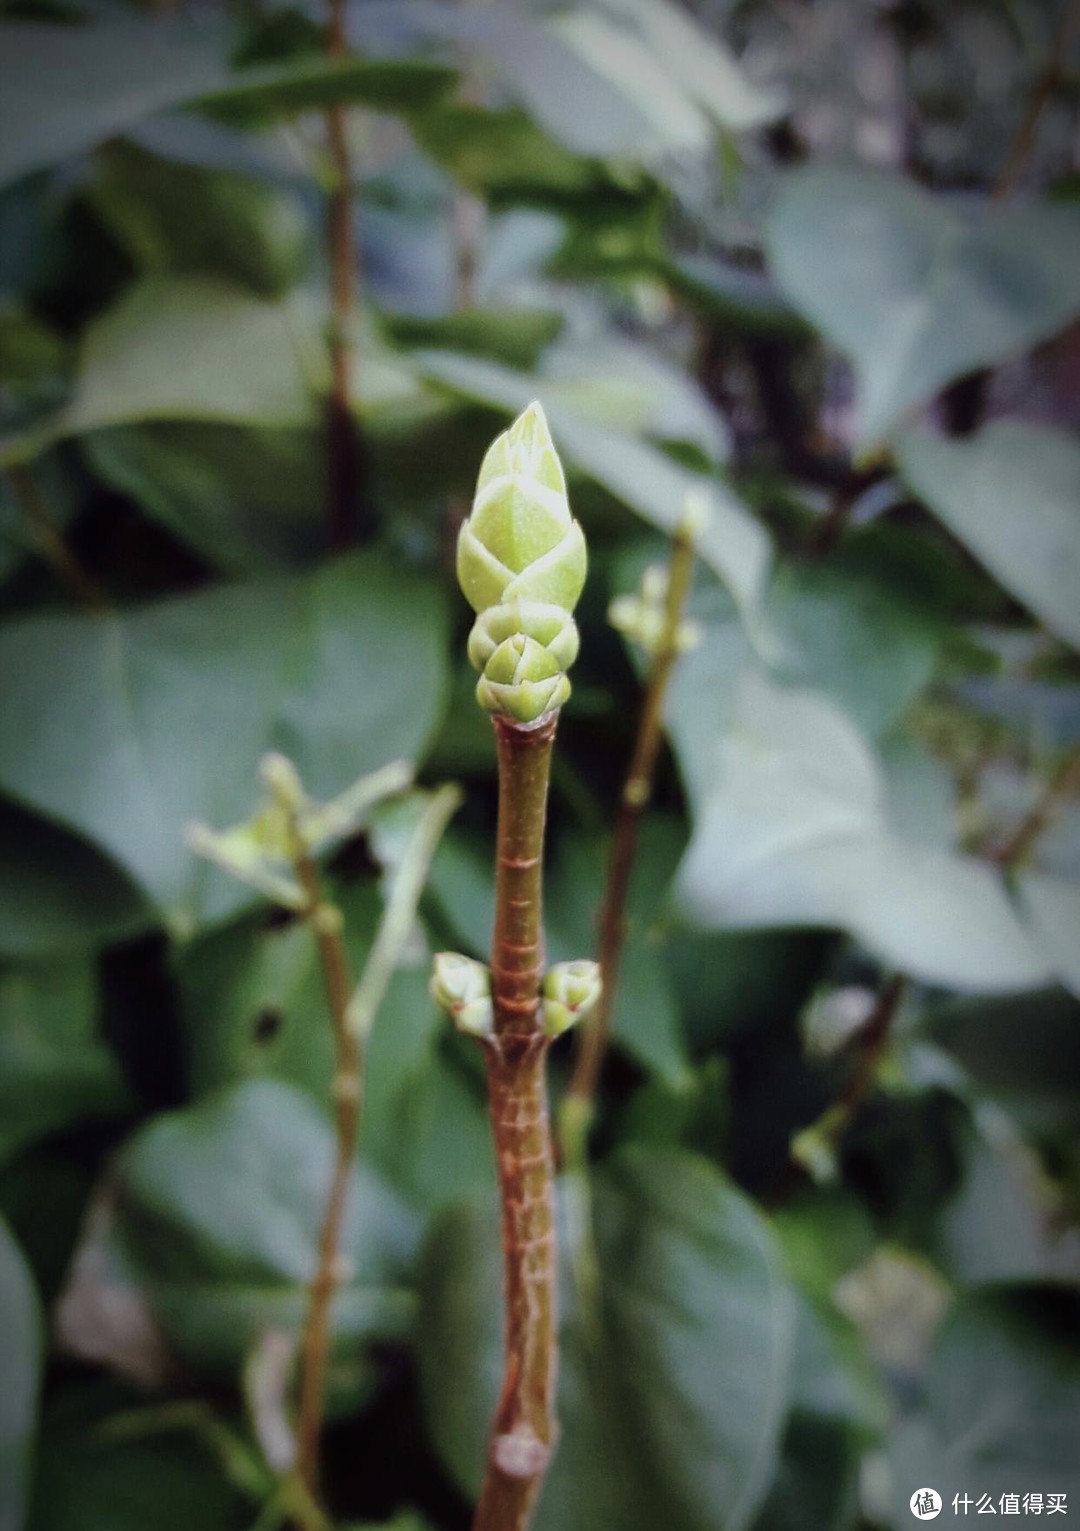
779	286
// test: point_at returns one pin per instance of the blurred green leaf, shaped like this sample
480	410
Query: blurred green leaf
189	218
265	92
184	348
221	1205
65	88
21	1334
678	1345
248	498
915	293
1002	1401
1023	1050
1010	495
856	639
57	893
515	336
159	717
89	1475
54	1068
1052	904
793	830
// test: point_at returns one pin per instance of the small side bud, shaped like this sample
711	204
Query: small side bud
571	990
462	987
281	779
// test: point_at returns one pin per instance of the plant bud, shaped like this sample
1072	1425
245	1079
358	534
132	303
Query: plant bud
571	990
521	563
462	987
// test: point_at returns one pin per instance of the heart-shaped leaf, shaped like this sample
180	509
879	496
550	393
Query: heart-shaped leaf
158	717
1011	494
792	829
914	291
220	1209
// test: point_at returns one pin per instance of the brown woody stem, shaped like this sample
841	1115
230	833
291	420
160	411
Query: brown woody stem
344	454
637	790
326	923
1020	845
523	1430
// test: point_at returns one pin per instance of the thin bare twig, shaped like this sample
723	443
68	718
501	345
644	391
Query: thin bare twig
636	793
344	446
1019	846
327	925
1047	83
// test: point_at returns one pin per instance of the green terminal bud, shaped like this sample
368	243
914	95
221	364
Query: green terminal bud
462	987
521	563
571	990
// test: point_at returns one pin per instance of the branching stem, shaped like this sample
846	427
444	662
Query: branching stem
636	794
1021	843
344	454
523	1431
326	923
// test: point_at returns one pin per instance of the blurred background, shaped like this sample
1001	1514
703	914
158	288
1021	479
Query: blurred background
271	278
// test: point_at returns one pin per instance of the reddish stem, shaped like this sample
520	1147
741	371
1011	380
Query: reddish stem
523	1430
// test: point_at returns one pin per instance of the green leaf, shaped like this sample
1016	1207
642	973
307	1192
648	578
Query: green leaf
178	217
96	1469
182	348
221	1206
21	1334
1022	1050
793	829
65	88
266	92
248	498
1002	1409
515	336
159	716
914	292
857	639
694	1369
1010	494
1052	904
652	484
54	1068
652	49
57	894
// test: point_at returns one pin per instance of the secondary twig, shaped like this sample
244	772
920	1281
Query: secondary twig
636	792
523	1431
344	447
1045	86
1018	847
327	925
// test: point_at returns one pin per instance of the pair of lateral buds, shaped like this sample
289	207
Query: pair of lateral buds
462	987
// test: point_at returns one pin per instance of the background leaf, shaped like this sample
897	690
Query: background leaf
220	1211
55	1069
1011	495
159	717
914	292
677	1346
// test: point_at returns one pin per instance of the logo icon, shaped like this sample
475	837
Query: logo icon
925	1504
